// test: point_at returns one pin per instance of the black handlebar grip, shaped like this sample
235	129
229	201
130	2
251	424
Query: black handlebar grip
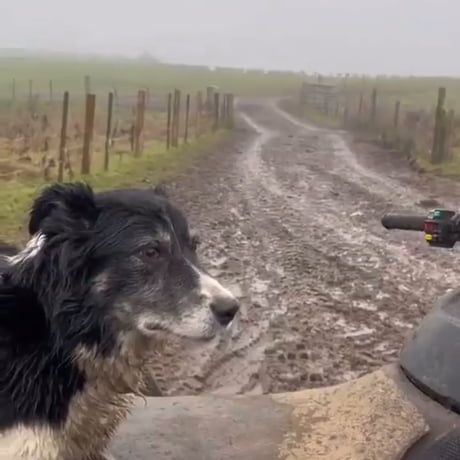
400	222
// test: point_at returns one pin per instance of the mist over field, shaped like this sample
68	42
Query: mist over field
364	36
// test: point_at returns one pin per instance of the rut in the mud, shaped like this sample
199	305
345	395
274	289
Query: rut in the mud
290	220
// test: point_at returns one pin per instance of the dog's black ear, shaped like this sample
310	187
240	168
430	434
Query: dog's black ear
62	207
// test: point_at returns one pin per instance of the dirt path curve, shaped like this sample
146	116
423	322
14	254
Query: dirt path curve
290	219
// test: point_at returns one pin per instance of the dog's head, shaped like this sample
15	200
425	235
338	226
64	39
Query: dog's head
117	263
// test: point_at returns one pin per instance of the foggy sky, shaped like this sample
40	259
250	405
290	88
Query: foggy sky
363	36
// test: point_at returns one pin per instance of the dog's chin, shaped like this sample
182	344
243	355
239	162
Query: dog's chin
156	331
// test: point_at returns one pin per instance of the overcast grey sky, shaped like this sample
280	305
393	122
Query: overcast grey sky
364	36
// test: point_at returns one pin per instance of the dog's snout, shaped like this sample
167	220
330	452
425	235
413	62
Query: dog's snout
221	301
225	309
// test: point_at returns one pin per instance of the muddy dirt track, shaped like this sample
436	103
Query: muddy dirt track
290	216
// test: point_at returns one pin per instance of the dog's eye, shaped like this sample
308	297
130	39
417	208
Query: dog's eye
151	252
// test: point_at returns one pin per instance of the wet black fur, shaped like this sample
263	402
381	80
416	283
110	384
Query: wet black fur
6	249
46	306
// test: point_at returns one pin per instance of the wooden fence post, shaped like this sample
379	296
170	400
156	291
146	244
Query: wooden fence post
178	112
30	90
87	84
396	115
345	115
437	151
325	106
360	105
187	117
210	98
108	132
88	134
176	118
140	116
132	136
168	123
223	108
450	134
115	99
198	111
63	139
374	106
231	111
13	90
303	98
216	111
51	90
227	110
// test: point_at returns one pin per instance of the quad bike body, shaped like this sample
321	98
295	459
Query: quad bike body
409	410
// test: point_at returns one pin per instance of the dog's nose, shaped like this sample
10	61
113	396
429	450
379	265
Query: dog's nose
224	309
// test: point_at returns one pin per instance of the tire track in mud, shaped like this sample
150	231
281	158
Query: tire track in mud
294	220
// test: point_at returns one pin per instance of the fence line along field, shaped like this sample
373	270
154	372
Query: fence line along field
162	116
31	104
413	116
67	135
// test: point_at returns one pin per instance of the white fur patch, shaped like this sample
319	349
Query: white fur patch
28	444
195	323
210	288
31	250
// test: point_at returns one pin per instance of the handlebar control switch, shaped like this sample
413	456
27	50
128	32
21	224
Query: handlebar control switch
440	229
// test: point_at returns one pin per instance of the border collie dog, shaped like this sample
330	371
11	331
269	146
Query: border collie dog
105	279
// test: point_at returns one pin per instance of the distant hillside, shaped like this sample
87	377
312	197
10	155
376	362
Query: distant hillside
14	52
23	53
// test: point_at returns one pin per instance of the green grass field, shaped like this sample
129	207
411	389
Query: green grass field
156	165
127	76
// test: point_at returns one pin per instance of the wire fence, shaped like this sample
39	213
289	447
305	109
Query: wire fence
58	137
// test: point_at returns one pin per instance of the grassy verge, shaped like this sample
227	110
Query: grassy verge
449	169
157	164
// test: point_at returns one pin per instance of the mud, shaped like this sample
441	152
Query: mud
289	215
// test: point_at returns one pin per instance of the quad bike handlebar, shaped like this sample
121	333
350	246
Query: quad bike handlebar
403	222
441	226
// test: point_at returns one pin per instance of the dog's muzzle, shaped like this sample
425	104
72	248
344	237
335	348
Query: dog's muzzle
220	300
